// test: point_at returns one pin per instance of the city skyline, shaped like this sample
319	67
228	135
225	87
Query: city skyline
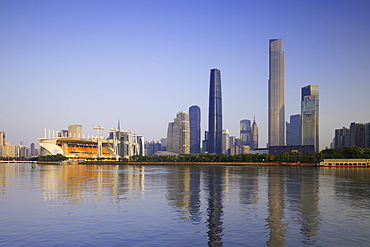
92	63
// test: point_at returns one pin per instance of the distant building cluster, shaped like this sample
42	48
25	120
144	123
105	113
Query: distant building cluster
16	151
72	144
357	135
184	133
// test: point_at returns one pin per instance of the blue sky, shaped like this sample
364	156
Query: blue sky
94	62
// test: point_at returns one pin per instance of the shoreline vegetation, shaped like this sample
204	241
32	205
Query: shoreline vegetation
200	163
285	159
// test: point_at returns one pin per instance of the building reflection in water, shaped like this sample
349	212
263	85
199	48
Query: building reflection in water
310	213
248	182
276	218
183	192
295	190
214	184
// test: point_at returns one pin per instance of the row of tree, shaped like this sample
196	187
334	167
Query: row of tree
348	153
57	157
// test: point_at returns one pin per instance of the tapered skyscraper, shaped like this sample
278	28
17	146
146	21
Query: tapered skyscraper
214	142
276	98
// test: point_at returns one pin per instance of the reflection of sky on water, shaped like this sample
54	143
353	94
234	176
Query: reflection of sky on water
205	204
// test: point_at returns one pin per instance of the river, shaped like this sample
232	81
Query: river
182	205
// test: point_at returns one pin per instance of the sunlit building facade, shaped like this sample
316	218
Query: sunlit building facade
310	117
178	134
276	94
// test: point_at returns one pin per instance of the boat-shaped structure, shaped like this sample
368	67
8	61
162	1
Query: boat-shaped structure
344	163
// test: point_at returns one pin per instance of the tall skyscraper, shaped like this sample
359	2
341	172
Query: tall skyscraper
245	132
276	94
194	115
310	116
214	142
254	135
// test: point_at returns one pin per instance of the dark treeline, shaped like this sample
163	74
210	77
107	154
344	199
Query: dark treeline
57	157
348	153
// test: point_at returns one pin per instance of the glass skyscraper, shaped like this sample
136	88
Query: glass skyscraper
310	116
276	94
194	115
214	142
295	130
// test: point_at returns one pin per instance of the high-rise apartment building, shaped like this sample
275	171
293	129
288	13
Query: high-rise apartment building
214	142
276	94
254	135
75	130
194	116
310	116
225	141
2	142
342	138
357	135
178	134
246	132
360	135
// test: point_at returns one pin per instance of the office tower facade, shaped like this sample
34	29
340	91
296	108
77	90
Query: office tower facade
214	142
164	144
152	147
294	130
276	94
204	142
75	130
254	135
310	117
246	132
178	134
225	141
195	130
32	149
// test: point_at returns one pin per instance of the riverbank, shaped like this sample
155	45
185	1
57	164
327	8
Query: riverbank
205	163
276	163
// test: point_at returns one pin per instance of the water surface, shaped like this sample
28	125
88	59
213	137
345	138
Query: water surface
115	205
